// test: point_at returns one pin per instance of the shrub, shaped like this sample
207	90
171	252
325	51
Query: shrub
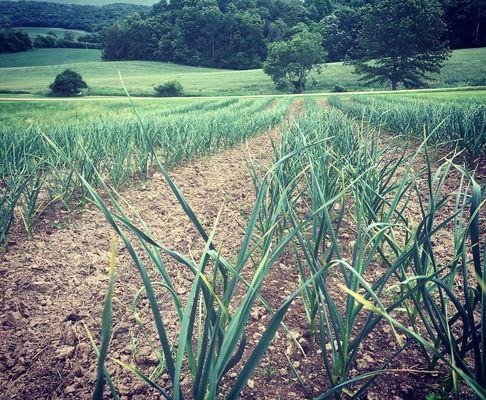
72	44
169	89
90	38
68	83
338	89
45	41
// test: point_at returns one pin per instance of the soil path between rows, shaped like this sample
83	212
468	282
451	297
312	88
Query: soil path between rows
55	282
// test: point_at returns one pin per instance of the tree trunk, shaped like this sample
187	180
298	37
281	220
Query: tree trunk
298	86
394	84
478	24
213	47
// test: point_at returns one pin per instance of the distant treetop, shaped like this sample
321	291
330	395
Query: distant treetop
69	16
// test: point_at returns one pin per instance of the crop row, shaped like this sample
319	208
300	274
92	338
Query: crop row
34	176
460	124
340	204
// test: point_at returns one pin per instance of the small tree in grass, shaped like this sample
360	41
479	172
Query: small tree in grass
291	62
68	83
401	41
169	89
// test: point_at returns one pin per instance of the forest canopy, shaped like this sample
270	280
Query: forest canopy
13	40
69	16
229	33
237	33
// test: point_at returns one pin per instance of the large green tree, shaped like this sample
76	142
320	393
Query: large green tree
318	9
291	62
13	40
339	31
401	41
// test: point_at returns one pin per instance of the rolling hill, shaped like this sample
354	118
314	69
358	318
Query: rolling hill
33	71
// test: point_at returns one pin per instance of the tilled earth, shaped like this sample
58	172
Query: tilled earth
54	284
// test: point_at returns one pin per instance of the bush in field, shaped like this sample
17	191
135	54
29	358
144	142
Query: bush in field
338	89
45	41
68	83
169	89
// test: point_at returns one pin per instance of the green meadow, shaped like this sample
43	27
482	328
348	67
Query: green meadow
13	64
32	72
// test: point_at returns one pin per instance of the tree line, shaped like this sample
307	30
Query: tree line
14	40
398	42
51	40
237	33
68	16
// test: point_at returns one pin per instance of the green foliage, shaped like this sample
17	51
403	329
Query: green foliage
335	172
199	34
169	89
318	9
338	167
70	40
68	83
90	38
235	34
75	44
339	31
229	33
401	41
13	40
290	62
69	16
45	41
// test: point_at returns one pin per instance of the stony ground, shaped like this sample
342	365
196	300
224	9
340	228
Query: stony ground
54	284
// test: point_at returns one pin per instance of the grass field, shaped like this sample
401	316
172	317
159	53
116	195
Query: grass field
42	113
476	94
31	59
59	32
33	71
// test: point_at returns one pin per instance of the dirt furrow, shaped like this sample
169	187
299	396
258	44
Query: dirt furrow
55	282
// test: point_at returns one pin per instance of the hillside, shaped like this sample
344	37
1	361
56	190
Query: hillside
33	71
99	2
44	57
66	16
